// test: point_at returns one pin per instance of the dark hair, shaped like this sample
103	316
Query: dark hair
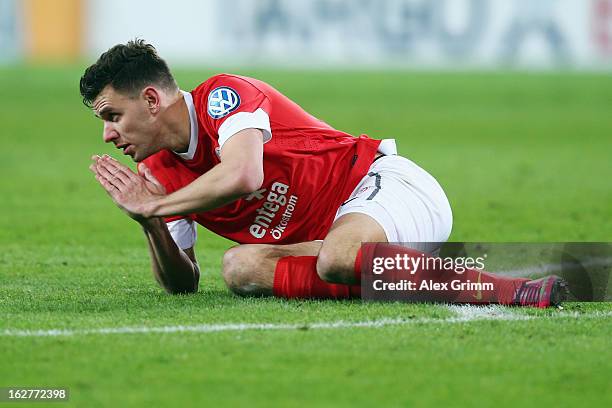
127	68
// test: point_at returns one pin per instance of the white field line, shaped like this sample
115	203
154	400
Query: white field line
463	314
551	269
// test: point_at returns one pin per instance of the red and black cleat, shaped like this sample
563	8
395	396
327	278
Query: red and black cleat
543	292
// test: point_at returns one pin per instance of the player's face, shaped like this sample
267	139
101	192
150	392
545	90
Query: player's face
128	123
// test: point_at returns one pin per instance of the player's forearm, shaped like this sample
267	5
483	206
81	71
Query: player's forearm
172	268
221	185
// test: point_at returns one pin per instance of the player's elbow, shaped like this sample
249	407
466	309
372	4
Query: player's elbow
182	289
249	179
186	285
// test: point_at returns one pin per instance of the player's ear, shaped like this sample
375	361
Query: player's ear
152	98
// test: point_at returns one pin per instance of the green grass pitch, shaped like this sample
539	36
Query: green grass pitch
523	157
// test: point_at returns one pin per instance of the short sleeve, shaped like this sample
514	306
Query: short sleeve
233	104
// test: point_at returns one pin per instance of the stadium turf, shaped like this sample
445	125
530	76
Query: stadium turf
523	157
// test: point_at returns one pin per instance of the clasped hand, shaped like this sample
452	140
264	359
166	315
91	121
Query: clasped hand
136	195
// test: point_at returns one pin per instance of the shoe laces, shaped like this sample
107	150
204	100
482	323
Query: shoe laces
529	294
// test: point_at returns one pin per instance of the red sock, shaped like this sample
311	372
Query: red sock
296	277
504	287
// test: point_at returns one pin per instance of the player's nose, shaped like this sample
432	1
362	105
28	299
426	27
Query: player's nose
109	133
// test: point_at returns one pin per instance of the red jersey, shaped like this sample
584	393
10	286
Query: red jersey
309	167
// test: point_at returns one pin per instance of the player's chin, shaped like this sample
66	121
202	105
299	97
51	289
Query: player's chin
136	158
138	155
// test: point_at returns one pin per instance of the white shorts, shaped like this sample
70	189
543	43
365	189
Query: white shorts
405	200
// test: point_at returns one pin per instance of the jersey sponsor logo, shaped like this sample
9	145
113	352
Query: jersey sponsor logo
348	201
275	201
259	194
357	194
222	101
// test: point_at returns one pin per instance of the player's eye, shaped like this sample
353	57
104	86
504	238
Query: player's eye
114	117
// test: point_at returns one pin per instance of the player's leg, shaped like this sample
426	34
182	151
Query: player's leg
288	271
381	205
336	261
400	202
248	270
328	274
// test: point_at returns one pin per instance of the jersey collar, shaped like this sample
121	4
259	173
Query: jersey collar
193	126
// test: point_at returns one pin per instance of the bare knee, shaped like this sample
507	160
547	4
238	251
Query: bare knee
336	265
336	260
235	270
241	274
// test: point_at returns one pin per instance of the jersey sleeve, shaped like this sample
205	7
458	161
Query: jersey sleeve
232	104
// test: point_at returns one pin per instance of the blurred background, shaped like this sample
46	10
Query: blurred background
440	34
508	103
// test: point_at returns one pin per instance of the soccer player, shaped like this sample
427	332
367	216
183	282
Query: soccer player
241	159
